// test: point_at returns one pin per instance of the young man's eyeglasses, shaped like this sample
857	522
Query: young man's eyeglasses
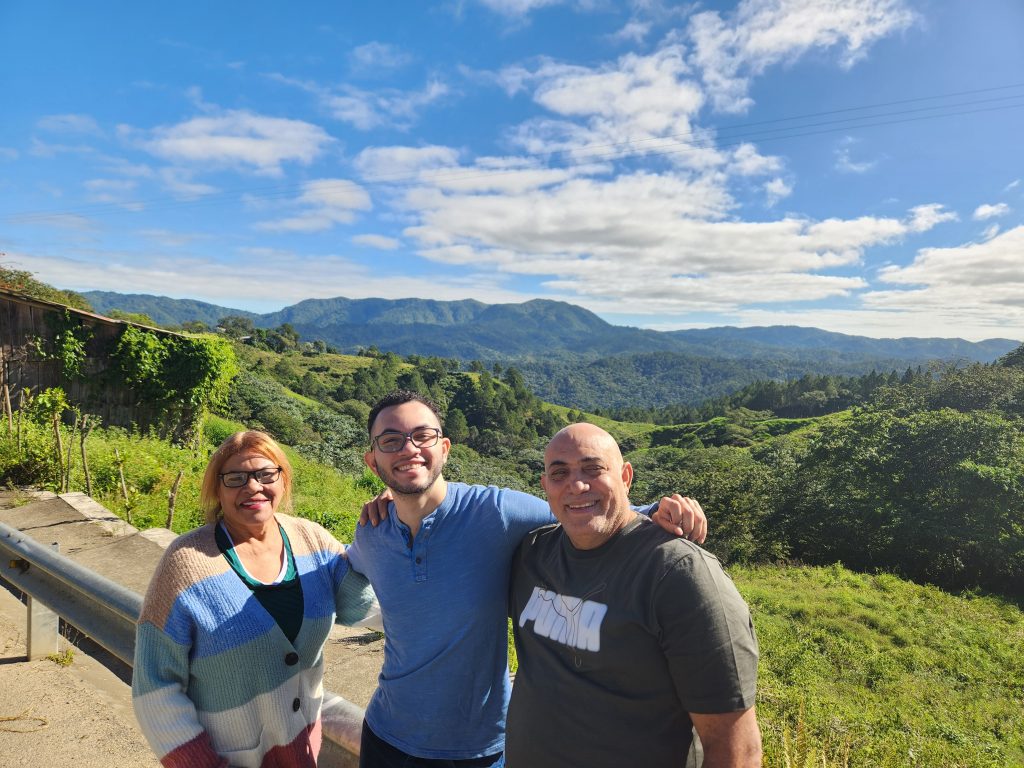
265	476
393	442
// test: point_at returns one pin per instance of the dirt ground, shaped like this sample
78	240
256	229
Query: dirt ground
79	715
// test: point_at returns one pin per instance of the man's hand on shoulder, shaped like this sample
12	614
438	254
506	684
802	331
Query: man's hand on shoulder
376	509
681	516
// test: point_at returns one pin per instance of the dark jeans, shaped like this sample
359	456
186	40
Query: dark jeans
374	752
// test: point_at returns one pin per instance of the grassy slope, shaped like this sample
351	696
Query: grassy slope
884	671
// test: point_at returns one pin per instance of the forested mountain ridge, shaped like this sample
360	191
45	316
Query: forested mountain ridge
161	309
538	329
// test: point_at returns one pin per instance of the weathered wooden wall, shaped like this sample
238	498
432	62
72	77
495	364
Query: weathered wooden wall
23	320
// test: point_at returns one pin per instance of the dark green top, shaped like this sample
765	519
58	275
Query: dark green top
283	601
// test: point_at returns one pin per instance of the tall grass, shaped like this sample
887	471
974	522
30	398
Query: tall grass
871	671
151	466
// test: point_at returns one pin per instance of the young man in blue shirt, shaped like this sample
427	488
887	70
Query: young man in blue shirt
440	567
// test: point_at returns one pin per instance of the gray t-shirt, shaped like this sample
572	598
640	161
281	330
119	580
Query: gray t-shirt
617	645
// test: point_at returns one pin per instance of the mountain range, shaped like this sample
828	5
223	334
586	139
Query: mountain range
570	355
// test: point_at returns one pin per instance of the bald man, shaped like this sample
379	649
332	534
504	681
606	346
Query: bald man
626	635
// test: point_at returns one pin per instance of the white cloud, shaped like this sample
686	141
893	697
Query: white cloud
39	148
1012	185
987	211
236	138
633	32
777	190
660	242
179	182
844	159
69	124
925	217
990	232
375	57
746	161
730	51
326	202
635	105
403	163
386	107
117	191
380	242
977	288
521	7
994	267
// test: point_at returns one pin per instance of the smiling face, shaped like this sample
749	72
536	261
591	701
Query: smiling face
251	507
587	484
411	470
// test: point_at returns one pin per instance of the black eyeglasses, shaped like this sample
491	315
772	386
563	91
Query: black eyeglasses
393	442
265	476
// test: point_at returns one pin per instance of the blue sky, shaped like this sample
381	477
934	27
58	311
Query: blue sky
853	165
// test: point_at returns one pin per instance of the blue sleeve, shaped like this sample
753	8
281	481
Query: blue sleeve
646	510
522	512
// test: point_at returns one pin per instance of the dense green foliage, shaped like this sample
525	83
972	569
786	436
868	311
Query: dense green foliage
68	336
178	377
804	397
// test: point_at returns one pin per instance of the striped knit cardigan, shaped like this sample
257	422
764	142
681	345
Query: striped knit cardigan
216	681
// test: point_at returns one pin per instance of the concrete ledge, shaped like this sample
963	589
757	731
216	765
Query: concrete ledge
162	537
98	514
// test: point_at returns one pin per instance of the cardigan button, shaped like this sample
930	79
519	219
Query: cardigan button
291	659
295	705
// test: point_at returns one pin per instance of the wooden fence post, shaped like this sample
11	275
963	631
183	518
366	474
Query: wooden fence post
59	444
124	486
87	425
172	497
7	410
71	445
21	410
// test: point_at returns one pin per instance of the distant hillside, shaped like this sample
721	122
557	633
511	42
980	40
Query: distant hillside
538	329
571	356
651	380
740	342
162	310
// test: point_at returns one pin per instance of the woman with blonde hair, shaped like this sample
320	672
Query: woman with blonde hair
229	647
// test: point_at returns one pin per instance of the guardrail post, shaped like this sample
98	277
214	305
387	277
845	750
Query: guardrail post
43	628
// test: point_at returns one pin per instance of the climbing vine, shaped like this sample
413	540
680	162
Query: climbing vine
180	377
68	337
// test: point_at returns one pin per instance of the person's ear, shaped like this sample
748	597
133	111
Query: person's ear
627	474
371	462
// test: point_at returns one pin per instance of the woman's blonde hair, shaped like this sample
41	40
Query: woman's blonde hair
242	442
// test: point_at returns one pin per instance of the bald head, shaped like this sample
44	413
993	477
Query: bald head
587	484
584	434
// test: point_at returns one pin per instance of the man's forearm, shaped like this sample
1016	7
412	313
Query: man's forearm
730	740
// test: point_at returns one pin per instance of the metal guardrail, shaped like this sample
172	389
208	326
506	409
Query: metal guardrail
107	613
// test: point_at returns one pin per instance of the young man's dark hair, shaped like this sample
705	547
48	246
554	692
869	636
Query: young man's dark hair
400	397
